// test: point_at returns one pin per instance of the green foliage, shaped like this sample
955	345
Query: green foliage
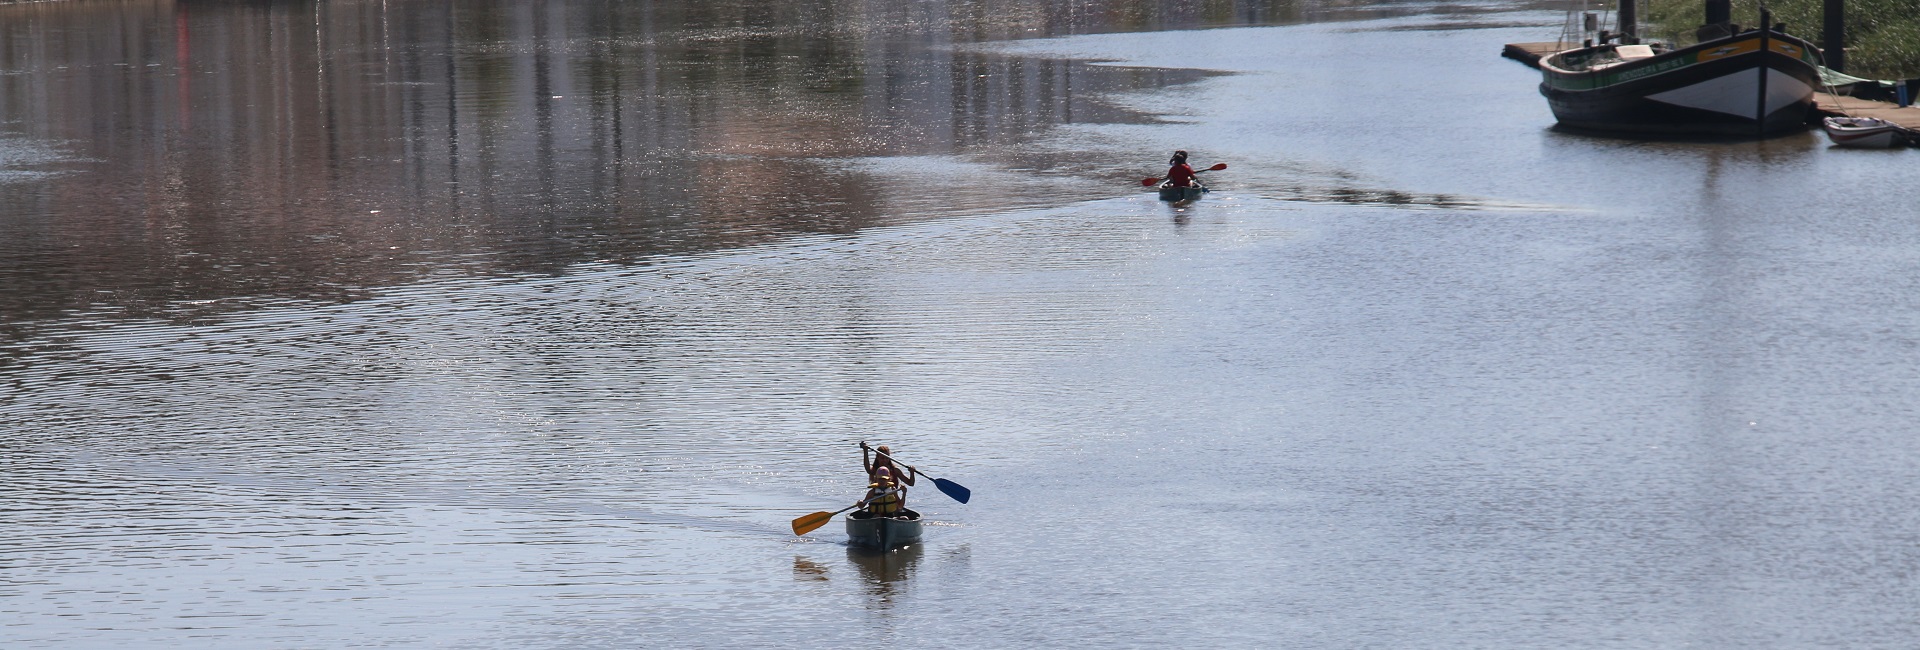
1883	36
1889	51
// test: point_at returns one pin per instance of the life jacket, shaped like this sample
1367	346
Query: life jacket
888	504
1180	175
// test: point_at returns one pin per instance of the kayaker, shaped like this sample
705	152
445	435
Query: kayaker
885	496
1179	174
882	475
884	459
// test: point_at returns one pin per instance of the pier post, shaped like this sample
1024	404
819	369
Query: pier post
1629	19
1719	12
1719	21
1833	44
1766	50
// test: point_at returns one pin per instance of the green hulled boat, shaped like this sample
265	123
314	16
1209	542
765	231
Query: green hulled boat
883	533
1170	193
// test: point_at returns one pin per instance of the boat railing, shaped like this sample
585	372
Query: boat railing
1581	60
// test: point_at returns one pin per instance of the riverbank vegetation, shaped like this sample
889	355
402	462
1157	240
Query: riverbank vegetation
1883	36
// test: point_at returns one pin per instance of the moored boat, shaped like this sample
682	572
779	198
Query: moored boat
883	533
1170	193
1754	82
1864	132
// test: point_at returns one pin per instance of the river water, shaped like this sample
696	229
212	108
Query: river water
534	324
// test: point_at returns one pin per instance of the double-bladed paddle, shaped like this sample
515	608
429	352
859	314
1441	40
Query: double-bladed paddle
1151	180
950	488
806	524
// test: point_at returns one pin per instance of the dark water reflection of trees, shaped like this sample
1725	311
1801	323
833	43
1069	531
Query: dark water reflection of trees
196	154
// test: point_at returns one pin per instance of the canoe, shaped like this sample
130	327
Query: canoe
1170	193
883	533
1863	132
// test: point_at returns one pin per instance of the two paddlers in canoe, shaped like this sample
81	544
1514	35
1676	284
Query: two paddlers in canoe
884	521
886	483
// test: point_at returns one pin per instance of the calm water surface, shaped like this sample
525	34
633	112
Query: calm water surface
532	325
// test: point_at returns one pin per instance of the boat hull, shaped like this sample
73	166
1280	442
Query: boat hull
1864	133
1728	87
883	533
1170	193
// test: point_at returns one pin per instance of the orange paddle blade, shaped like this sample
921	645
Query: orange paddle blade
1218	167
806	524
1149	181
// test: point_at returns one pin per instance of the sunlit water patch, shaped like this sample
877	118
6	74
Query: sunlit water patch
1331	404
22	159
442	441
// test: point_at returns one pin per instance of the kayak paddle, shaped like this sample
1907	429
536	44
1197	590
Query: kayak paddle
1150	181
950	488
806	524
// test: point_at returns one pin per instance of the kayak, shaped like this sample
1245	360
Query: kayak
883	533
1170	193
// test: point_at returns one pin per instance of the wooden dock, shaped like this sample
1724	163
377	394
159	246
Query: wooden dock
1831	105
1828	105
1531	53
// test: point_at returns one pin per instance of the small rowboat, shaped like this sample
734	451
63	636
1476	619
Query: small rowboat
1864	132
883	533
1170	193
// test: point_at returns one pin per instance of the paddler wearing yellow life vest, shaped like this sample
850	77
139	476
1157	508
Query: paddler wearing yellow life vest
883	475
885	496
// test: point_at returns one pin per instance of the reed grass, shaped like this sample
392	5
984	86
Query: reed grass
1883	36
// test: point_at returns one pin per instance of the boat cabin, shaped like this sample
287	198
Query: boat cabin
1603	56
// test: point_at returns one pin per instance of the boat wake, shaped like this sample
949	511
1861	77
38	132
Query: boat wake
1410	200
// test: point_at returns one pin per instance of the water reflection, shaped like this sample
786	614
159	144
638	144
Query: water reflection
805	570
210	151
886	573
609	458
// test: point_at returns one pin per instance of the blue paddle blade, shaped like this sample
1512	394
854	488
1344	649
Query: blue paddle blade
953	489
